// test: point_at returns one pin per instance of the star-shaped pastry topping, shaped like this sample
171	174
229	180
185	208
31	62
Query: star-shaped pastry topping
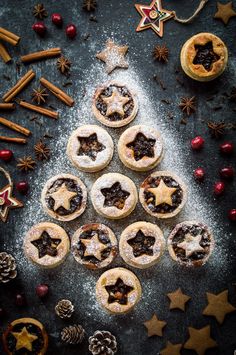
178	299
115	196
225	12
142	244
171	349
118	292
153	16
7	202
142	147
191	244
46	245
93	247
155	326
90	146
62	197
200	340
162	193
218	306
115	103
24	339
114	56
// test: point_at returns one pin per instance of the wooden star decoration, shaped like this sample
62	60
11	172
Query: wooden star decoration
7	202
114	56
225	12
62	197
24	339
93	247
115	103
178	299
162	193
218	306
191	244
155	326
200	340
153	16
171	349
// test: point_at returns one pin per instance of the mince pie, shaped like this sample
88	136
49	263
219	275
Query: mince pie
114	104
162	194
114	195
190	243
25	336
140	148
118	290
46	244
64	197
141	244
94	245
90	148
204	57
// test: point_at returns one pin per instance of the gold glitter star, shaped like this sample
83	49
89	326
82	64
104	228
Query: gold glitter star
225	12
94	247
62	197
24	339
162	193
115	103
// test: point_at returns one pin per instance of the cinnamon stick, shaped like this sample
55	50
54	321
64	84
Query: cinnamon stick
48	53
9	36
61	95
15	126
9	106
20	85
42	110
13	140
4	54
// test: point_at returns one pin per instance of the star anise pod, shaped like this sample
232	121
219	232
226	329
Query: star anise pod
42	152
187	105
39	11
161	53
89	5
39	95
63	64
232	95
217	129
26	163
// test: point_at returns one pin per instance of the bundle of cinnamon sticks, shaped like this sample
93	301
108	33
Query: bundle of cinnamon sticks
9	37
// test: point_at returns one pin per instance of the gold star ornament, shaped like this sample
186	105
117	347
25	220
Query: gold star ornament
115	103
62	197
171	349
200	340
162	193
24	339
155	326
114	56
178	299
225	12
94	247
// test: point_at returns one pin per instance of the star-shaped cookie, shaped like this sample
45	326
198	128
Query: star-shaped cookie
178	299
7	201
225	12
114	56
62	197
155	326
191	244
218	306
94	247
162	193
24	339
200	340
115	103
171	349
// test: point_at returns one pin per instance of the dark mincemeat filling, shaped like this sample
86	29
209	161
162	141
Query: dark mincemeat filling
118	292
115	196
46	245
90	146
142	244
205	55
102	107
177	196
75	202
142	146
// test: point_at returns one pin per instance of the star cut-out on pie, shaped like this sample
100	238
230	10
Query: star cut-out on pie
118	292
114	56
24	339
171	349
7	202
62	197
200	340
205	55
93	247
162	193
191	244
225	12
115	103
153	16
46	245
142	244
90	146
178	299
218	306
115	196
142	146
155	326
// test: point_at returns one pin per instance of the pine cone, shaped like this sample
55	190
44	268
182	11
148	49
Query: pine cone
102	343
7	267
64	309
74	334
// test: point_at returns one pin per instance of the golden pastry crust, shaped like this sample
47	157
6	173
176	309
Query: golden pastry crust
98	150
63	199
97	253
130	244
198	71
112	277
125	110
60	244
130	144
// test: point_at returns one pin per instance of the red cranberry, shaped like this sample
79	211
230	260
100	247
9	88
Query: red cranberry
71	31
199	174
20	299
42	290
22	186
39	28
227	148
57	19
227	172
232	214
219	188
6	154
197	143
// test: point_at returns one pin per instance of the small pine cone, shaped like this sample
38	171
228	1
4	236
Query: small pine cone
64	309
102	343
74	334
7	267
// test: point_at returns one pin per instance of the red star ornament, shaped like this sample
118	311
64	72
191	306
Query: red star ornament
153	16
7	201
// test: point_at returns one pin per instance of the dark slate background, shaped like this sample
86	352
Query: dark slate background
120	17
